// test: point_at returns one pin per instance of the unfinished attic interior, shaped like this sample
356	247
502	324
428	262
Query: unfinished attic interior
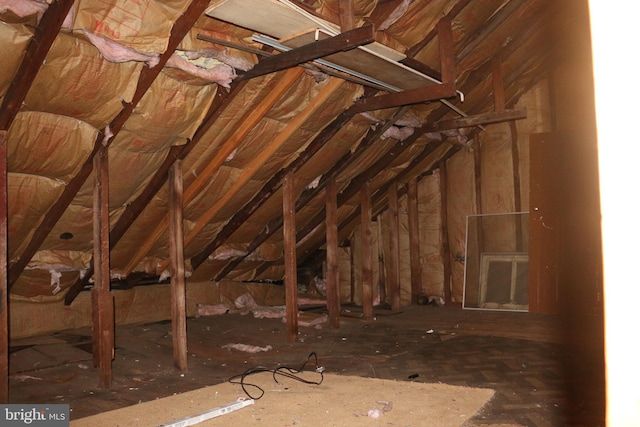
392	185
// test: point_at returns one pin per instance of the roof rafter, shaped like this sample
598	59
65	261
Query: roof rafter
250	121
147	76
133	210
37	50
275	224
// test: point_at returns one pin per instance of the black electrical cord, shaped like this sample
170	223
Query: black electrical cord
285	371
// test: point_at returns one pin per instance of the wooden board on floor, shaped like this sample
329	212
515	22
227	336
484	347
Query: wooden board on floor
338	400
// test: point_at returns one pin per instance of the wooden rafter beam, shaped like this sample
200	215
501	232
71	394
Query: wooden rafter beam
347	16
252	118
341	43
34	57
308	194
380	193
478	119
147	77
134	209
424	94
255	164
269	189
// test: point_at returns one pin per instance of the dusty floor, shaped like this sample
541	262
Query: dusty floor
543	374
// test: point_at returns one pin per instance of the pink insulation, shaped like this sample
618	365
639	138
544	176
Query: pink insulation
115	52
24	8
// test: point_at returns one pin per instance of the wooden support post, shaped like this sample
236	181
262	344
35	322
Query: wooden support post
393	269
333	291
290	265
414	240
347	16
178	285
101	298
444	224
382	273
367	251
4	287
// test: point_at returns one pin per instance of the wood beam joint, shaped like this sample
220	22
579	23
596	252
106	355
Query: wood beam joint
309	52
447	89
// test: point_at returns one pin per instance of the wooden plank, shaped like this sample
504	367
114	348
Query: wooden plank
290	265
278	20
250	121
414	240
102	300
311	51
445	43
366	251
347	16
421	94
478	119
393	269
263	16
407	97
361	61
4	288
444	227
178	283
333	291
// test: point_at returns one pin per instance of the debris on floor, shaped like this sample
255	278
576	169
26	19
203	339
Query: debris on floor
247	348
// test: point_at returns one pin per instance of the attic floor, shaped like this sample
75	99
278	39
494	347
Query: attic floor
542	376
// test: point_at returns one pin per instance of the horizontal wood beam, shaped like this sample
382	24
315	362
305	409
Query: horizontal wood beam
340	43
423	94
407	97
478	119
